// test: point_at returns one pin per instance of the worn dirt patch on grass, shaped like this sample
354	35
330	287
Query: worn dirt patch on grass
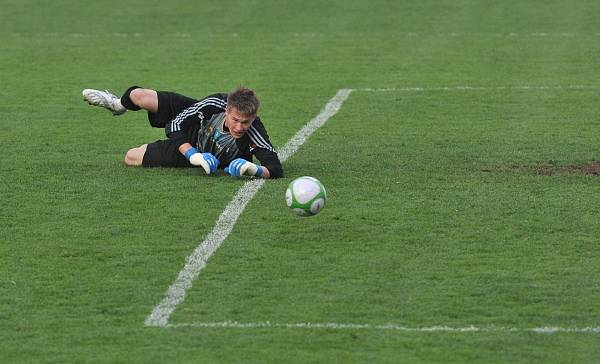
592	168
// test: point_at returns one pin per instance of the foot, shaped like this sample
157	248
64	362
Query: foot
104	99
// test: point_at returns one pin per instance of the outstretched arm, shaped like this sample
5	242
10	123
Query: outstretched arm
264	151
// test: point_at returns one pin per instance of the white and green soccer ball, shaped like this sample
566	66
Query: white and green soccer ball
306	196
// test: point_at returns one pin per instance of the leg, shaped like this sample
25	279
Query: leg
104	99
144	99
162	106
161	153
134	98
135	156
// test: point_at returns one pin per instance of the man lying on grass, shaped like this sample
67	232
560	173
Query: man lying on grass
220	129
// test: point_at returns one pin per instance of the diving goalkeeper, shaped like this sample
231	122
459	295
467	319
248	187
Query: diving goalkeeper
218	130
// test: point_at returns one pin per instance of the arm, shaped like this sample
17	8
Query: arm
180	128
264	151
266	173
184	148
205	160
273	170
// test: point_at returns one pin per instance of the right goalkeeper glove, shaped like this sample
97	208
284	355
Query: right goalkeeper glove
205	160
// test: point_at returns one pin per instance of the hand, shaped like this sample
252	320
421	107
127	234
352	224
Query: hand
205	160
240	166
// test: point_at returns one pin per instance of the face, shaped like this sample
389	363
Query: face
237	122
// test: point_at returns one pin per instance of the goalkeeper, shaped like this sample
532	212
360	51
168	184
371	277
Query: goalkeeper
219	130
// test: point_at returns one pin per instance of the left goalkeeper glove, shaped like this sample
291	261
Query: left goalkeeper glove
240	166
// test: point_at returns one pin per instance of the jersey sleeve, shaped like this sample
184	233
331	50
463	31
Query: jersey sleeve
178	129
261	147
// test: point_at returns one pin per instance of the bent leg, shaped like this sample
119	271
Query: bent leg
161	153
136	98
144	98
135	156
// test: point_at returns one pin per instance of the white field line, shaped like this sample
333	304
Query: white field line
390	327
315	35
477	88
224	225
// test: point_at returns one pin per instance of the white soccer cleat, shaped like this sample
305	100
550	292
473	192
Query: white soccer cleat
104	99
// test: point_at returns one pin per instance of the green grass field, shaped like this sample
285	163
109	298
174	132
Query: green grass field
458	174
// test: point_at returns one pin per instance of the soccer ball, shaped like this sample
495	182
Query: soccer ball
306	196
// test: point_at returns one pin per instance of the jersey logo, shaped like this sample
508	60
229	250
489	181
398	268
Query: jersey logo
201	116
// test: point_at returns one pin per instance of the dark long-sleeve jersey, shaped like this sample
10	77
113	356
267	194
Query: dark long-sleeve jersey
202	125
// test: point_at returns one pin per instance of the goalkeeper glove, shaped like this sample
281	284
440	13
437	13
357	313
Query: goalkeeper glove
205	160
240	166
